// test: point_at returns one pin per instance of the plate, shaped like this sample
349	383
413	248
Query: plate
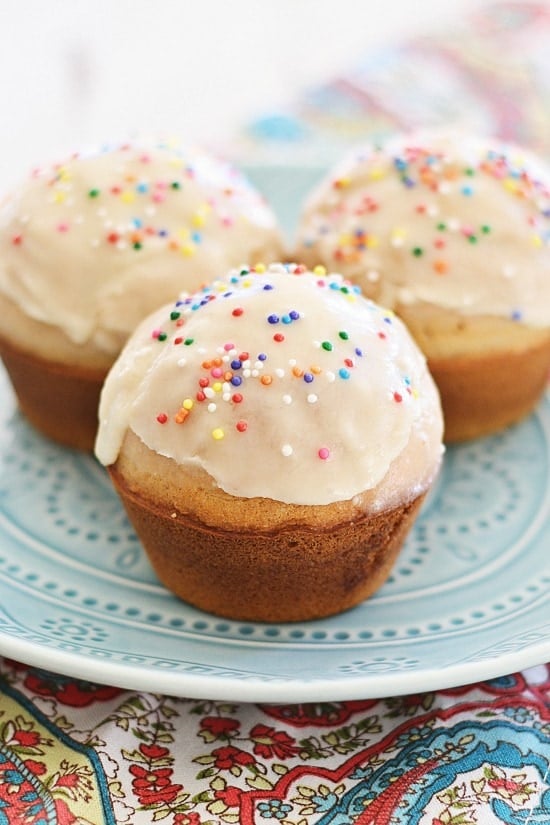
468	598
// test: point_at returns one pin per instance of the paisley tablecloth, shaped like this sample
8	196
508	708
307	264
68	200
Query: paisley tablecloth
75	752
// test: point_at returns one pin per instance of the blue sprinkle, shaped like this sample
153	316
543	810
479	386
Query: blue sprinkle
196	237
286	319
268	286
359	352
262	356
162	233
308	377
227	294
138	223
294	315
343	373
273	319
236	380
467	190
516	315
236	364
142	187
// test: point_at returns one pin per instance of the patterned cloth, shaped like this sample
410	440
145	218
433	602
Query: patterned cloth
72	752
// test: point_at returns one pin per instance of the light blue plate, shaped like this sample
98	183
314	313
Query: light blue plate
469	597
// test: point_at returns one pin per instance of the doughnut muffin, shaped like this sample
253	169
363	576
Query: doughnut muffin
453	233
91	246
272	438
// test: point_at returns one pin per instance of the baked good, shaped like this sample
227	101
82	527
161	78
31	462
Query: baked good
90	247
453	233
272	438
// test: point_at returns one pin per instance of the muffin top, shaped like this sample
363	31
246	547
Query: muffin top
280	383
454	221
93	245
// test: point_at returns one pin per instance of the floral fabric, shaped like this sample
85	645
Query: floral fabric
73	752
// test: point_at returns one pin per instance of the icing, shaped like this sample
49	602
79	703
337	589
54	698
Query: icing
91	246
281	383
456	222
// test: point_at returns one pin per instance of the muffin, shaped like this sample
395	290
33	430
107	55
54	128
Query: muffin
272	438
453	233
90	247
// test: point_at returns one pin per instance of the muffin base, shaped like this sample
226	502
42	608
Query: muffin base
490	372
485	394
295	573
60	400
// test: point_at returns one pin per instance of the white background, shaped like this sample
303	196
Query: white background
74	72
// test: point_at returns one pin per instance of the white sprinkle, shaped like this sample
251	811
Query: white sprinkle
94	242
330	376
255	373
280	373
312	398
508	271
79	219
432	210
209	392
212	408
445	187
397	241
246	364
121	245
226	396
373	276
292	362
287	399
226	387
246	373
317	344
182	362
287	450
225	359
150	210
259	365
453	224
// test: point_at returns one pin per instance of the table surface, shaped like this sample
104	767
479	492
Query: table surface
72	751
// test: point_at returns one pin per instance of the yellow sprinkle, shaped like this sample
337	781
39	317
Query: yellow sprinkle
59	197
198	220
320	270
217	386
188	250
247	283
372	241
127	197
376	173
187	404
510	185
537	241
217	434
259	268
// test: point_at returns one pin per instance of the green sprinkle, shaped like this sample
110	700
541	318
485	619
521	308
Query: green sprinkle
174	315
327	345
469	171
189	341
472	238
343	335
485	229
442	226
137	245
344	289
93	193
162	336
418	251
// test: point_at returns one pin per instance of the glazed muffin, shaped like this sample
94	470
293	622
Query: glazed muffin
91	246
453	233
272	438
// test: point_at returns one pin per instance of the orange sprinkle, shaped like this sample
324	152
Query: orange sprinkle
296	371
441	267
181	415
266	380
206	365
227	376
316	370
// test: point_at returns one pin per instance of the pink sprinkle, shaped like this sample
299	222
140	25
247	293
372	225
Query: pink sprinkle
155	333
63	227
227	221
216	372
228	347
324	453
159	197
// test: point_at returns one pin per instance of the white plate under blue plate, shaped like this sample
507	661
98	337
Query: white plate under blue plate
469	597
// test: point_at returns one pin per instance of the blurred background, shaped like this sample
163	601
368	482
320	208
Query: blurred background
267	81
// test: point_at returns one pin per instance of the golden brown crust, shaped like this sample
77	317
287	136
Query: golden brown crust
490	372
60	400
297	570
